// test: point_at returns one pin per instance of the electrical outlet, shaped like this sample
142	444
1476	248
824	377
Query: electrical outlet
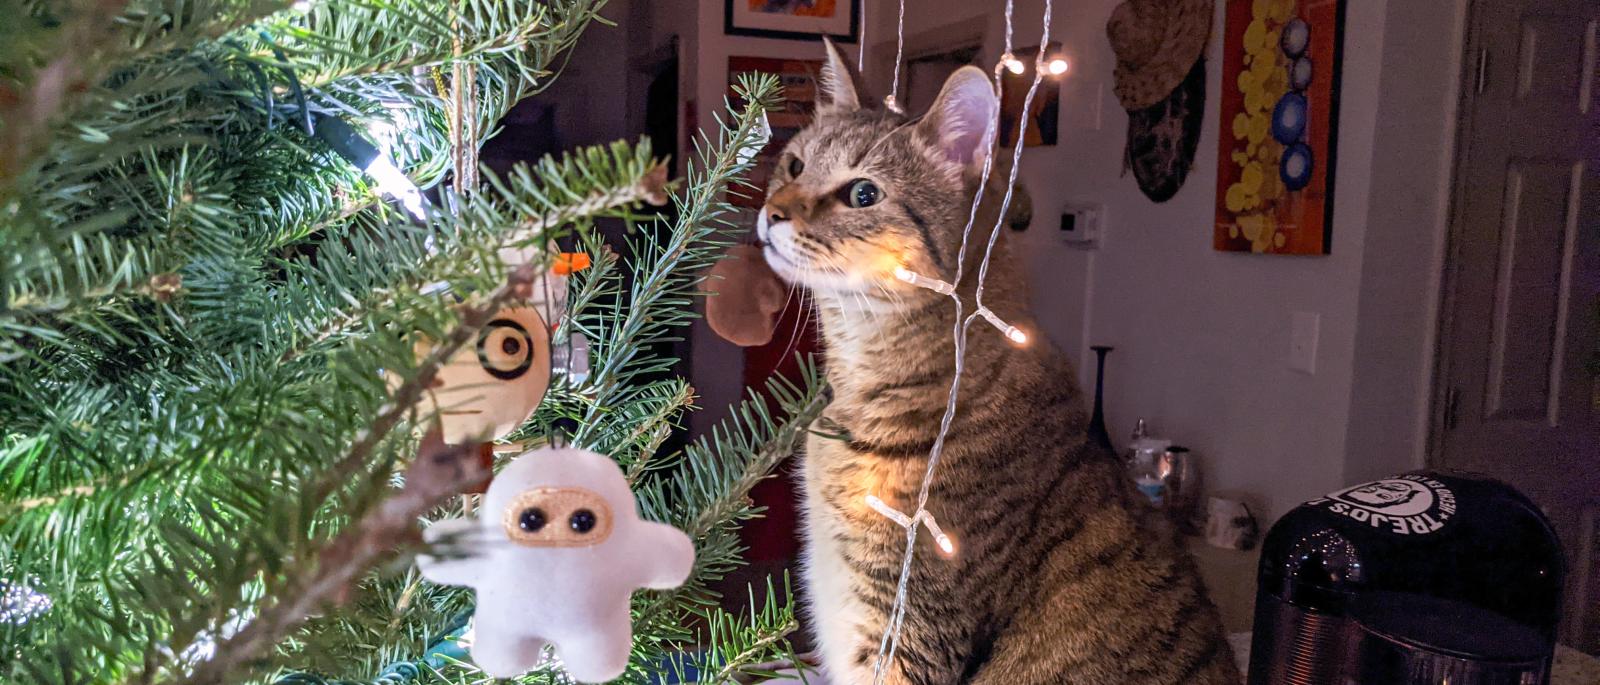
1303	334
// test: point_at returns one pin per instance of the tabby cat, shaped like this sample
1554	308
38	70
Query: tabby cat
1062	575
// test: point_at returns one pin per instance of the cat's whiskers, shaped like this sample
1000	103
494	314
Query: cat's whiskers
896	299
794	331
787	300
831	261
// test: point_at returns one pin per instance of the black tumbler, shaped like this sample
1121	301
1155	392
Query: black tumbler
1424	578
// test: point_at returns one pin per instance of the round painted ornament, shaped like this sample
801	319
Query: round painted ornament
491	386
555	553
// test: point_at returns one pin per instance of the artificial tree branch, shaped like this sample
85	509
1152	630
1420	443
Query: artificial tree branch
438	472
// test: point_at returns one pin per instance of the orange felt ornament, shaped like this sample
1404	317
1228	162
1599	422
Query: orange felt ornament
746	297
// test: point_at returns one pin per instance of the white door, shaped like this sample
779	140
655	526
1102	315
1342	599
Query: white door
1519	354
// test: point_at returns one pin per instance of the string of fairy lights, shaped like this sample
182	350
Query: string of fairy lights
921	516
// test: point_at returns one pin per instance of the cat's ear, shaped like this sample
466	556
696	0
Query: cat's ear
963	117
839	82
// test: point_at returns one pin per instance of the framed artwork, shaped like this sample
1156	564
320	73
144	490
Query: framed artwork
1280	106
794	19
1045	113
799	77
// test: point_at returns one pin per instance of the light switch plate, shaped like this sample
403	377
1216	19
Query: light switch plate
1303	334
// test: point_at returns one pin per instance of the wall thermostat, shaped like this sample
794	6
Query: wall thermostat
1082	224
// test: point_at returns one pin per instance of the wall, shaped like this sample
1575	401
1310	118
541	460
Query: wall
1403	264
1202	336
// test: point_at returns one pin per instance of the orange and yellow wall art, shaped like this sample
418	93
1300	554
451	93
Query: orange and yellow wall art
1280	103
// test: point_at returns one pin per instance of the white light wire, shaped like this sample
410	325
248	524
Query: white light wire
891	637
891	101
1016	153
861	42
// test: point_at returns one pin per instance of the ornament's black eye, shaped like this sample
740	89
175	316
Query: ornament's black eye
531	519
863	193
582	520
796	166
505	349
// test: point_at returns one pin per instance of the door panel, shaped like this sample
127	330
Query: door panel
1518	352
1551	70
1531	287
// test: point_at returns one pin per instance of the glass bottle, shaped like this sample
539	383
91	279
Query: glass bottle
1142	463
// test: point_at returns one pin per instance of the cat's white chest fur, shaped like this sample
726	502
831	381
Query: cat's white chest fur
838	617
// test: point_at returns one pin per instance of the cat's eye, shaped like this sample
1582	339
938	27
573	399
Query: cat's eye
796	166
863	193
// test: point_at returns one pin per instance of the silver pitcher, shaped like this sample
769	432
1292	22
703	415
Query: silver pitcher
1179	470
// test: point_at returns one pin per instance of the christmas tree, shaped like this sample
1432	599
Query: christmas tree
227	224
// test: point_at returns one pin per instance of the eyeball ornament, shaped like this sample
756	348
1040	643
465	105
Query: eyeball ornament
493	384
555	553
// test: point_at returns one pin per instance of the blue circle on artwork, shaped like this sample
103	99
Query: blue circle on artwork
1296	37
1289	118
1296	165
1300	73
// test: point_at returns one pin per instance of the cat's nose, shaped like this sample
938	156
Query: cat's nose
774	215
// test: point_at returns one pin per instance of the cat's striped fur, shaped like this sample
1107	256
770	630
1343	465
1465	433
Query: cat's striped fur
1062	575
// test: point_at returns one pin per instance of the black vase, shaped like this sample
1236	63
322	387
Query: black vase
1097	421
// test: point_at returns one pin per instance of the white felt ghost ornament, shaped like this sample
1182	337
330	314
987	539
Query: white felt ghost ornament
555	553
493	384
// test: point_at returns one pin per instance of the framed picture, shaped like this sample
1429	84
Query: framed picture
1280	106
794	19
799	78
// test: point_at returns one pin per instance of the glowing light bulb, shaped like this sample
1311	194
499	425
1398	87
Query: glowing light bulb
18	602
383	132
1011	332
392	183
947	547
1012	64
1058	67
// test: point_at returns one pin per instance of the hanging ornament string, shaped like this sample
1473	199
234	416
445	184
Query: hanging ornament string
463	117
891	637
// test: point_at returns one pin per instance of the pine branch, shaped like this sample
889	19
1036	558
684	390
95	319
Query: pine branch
431	478
709	495
665	281
743	650
212	97
92	37
592	181
361	37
